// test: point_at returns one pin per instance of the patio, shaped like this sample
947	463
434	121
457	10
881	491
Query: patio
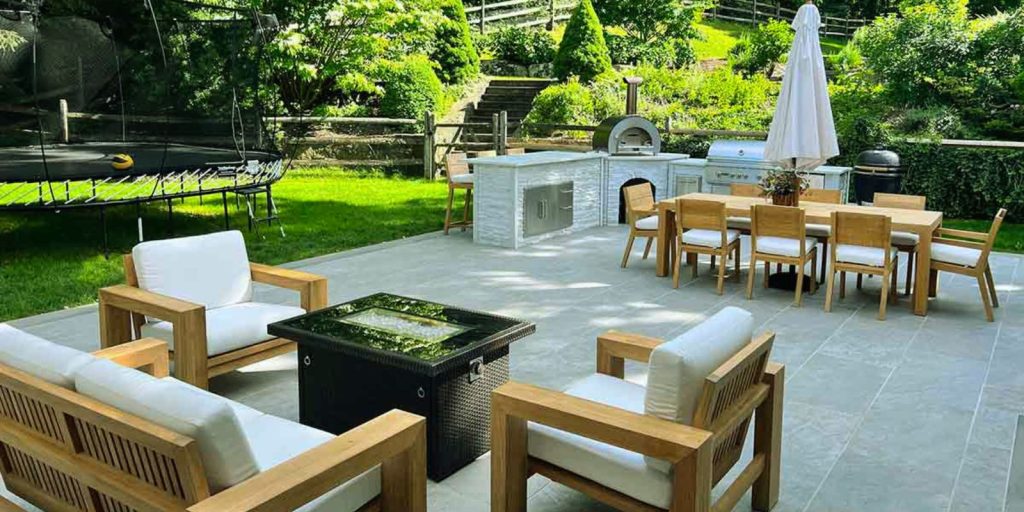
913	413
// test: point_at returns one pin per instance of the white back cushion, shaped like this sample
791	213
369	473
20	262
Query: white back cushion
49	361
209	419
212	270
678	368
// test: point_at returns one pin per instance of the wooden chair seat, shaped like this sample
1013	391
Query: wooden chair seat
778	235
861	243
966	253
703	229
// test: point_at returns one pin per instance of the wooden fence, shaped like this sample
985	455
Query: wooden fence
520	13
755	12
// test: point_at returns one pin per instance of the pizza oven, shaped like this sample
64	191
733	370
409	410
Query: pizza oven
628	135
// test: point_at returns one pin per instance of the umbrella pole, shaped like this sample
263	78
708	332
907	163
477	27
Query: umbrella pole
796	185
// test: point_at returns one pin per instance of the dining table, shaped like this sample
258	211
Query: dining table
922	222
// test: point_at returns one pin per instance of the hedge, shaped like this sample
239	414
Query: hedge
963	183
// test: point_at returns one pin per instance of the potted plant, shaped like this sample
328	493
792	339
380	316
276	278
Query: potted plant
784	186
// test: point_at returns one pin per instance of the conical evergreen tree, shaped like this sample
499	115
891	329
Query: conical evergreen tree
454	51
583	52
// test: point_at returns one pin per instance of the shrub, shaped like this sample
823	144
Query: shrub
567	103
410	87
625	49
522	46
453	45
583	52
758	52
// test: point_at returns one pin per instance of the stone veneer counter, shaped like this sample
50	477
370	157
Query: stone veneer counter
501	182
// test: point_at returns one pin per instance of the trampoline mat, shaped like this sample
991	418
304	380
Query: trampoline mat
92	160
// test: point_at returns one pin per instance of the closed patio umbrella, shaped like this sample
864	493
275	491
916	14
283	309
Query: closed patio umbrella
802	135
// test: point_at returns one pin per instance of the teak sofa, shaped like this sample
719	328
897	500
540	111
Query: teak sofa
196	294
63	449
649	448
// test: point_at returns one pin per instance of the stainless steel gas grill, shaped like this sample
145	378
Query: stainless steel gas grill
734	161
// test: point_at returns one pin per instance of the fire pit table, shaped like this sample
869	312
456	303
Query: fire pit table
362	358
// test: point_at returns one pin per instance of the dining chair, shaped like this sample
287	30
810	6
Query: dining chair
778	234
701	229
966	253
641	216
861	243
742	224
515	151
459	178
821	232
904	241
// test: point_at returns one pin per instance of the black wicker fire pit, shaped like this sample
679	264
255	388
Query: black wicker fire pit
362	358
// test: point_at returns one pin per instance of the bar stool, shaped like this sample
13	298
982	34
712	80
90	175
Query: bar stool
778	234
702	230
457	171
904	241
862	243
642	217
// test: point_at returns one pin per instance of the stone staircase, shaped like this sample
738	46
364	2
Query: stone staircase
512	95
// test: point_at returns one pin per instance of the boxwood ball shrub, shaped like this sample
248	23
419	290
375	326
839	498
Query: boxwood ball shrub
523	46
410	87
453	45
766	46
583	51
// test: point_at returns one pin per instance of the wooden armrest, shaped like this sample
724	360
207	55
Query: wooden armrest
614	347
643	434
959	243
312	287
313	473
973	235
147	354
137	300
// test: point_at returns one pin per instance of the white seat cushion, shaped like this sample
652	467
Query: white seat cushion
709	238
648	223
905	238
208	419
608	465
678	368
783	246
211	270
964	256
231	327
44	359
819	230
738	222
463	178
860	255
275	440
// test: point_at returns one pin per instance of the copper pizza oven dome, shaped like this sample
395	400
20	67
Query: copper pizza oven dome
627	135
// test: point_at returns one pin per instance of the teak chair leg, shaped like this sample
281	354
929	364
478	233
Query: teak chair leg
985	298
190	349
860	281
842	285
629	248
799	286
721	272
736	263
768	441
678	265
767	270
647	248
910	271
883	301
750	277
508	463
814	274
991	286
828	289
465	208
824	260
448	210
693	259
712	262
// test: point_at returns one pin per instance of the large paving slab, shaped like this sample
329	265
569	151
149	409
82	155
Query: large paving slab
913	413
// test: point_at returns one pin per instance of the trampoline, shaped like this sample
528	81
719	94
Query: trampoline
148	102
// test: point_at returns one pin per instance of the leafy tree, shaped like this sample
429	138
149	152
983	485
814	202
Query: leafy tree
454	50
761	50
583	52
410	87
654	27
522	46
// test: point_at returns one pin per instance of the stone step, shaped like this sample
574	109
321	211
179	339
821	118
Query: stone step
526	82
497	105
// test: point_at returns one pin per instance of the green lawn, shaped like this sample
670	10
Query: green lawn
1010	239
50	261
720	36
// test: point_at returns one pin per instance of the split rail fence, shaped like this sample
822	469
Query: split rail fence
520	13
755	12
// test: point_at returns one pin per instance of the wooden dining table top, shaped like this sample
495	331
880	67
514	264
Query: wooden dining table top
819	213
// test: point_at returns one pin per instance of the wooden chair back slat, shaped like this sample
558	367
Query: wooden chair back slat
700	214
993	232
455	164
904	201
728	401
37	417
863	229
746	190
820	195
639	201
781	221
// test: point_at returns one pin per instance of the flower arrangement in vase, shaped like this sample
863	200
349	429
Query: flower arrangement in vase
784	186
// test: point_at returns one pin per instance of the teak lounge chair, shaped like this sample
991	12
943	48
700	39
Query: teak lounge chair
196	294
966	253
663	446
86	432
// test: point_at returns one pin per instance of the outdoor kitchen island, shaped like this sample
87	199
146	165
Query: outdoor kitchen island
523	199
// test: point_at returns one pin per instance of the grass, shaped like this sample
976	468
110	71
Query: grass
1010	239
50	261
720	36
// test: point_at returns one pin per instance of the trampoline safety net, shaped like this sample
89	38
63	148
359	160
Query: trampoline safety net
131	102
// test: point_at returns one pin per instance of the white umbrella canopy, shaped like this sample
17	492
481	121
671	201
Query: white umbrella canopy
803	134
